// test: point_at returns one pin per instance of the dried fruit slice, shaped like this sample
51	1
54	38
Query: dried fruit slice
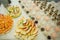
14	11
28	31
6	23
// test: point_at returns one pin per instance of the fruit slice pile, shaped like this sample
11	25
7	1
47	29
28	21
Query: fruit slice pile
5	23
26	30
14	11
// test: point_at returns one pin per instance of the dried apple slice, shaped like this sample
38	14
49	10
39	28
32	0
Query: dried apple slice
28	30
14	11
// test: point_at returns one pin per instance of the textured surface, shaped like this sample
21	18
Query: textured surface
7	36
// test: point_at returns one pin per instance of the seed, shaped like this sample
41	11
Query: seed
42	29
19	1
36	22
9	1
22	6
32	18
48	37
27	11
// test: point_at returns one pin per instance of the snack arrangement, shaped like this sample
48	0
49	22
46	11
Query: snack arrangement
26	29
6	23
14	11
30	20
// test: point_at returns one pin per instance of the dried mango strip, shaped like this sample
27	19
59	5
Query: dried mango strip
6	23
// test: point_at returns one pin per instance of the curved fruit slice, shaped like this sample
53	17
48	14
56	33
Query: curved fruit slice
26	29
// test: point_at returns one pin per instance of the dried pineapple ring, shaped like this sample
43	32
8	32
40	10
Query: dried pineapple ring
14	11
5	23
